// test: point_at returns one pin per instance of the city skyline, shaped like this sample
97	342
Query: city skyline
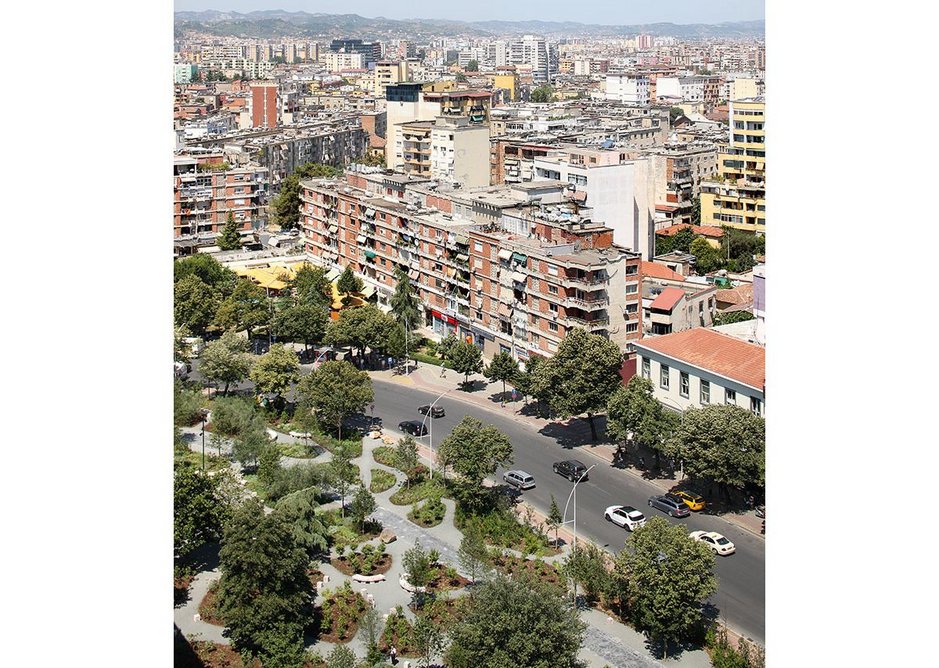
597	13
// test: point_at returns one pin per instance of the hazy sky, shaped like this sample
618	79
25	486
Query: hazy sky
609	12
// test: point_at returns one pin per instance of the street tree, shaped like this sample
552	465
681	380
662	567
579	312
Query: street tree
334	392
246	308
342	473
554	519
725	444
286	206
581	376
446	346
517	622
310	286
301	322
405	457
586	565
399	343
466	358
668	576
418	564
363	505
348	282
524	383
276	370
634	413
473	555
194	304
361	328
198	514
230	239
226	360
264	593
503	367
474	452
404	302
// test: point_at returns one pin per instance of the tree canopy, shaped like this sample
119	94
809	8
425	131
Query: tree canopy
302	322
361	328
198	513
276	370
723	443
465	358
230	238
404	301
226	360
503	367
246	308
336	391
309	286
542	94
348	282
286	206
633	410
209	270
474	452
194	304
707	258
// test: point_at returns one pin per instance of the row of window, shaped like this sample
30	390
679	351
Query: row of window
684	387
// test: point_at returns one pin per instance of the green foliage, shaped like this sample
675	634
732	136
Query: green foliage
207	269
473	555
233	415
542	94
187	406
405	458
198	513
587	566
668	577
740	246
725	654
371	160
305	323
474	452
707	258
404	302
342	609
465	358
275	370
674	113
361	328
501	528
348	282
299	510
633	410
247	308
525	381
430	514
363	505
724	443
472	66
581	376
342	473
309	286
286	206
554	519
226	360
268	463
683	239
424	489
194	304
230	239
446	346
341	657
428	640
696	210
251	442
503	367
430	359
418	565
381	481
517	622
264	595
289	479
732	317
335	391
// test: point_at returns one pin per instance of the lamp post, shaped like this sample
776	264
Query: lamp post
204	413
431	431
573	495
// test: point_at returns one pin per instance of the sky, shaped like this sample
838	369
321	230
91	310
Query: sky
604	12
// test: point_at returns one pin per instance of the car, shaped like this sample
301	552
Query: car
715	541
570	469
692	500
625	516
413	427
670	504
435	412
519	479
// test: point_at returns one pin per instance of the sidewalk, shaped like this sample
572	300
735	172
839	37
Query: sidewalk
428	378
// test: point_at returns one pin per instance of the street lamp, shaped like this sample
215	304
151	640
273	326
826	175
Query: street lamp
204	414
573	495
429	413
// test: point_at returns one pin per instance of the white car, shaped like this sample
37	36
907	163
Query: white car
625	516
715	541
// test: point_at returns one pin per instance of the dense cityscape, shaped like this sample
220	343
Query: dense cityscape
469	342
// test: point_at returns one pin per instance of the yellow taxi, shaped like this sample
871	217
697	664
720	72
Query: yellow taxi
692	500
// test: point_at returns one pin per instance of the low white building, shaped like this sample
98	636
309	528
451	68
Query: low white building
700	366
628	88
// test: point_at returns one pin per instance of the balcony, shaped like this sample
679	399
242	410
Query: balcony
587	304
600	322
592	282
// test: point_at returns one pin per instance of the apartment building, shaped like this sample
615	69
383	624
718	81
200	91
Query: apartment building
184	73
204	193
738	197
243	66
336	62
370	51
265	104
677	308
388	73
628	88
679	169
704	89
513	160
534	52
478	274
701	366
459	151
413	148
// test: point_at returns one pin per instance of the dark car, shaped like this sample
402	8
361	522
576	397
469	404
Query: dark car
670	504
413	427
570	469
435	412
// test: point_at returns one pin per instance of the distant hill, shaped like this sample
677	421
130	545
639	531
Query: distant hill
279	23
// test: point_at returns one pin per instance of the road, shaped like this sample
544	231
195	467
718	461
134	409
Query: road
741	594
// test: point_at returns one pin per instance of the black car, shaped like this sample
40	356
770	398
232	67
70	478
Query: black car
413	427
570	469
435	412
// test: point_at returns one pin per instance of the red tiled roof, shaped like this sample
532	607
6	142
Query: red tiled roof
719	353
667	299
739	295
656	270
701	230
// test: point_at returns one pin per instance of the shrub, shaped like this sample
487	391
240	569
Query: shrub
430	514
423	490
381	481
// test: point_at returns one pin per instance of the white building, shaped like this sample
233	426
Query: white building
531	50
699	366
184	73
341	61
628	88
459	151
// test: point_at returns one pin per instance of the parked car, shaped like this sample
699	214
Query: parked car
570	469
692	500
670	504
413	427
625	516
435	412
761	511
519	479
715	541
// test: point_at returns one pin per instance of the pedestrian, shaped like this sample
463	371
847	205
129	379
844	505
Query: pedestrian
394	655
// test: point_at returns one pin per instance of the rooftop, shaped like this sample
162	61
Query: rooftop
714	351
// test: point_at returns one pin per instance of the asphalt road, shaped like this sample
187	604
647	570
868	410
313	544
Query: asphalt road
741	594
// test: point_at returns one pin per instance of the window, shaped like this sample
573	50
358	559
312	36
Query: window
632	327
683	384
730	397
756	406
552	270
552	289
663	377
553	326
479	315
553	308
705	392
646	368
632	288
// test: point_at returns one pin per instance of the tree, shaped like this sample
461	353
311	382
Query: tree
503	367
363	505
460	77
668	577
398	343
341	657
707	258
226	360
472	66
309	286
581	376
251	442
207	269
517	622
524	383
473	555
299	510
198	514
418	564
674	113
336	391
732	317
723	443
230	239
187	406
696	210
542	94
181	349
286	206
586	565
301	322
268	463
634	413
446	346
683	239
475	452
275	370
428	639
370	160
361	328
233	415
342	473
246	308
371	629
466	358
405	457
554	519
264	593
194	304
348	282
404	302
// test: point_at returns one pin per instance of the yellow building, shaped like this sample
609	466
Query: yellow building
509	82
738	197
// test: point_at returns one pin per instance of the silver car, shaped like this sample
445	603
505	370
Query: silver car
670	504
519	479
